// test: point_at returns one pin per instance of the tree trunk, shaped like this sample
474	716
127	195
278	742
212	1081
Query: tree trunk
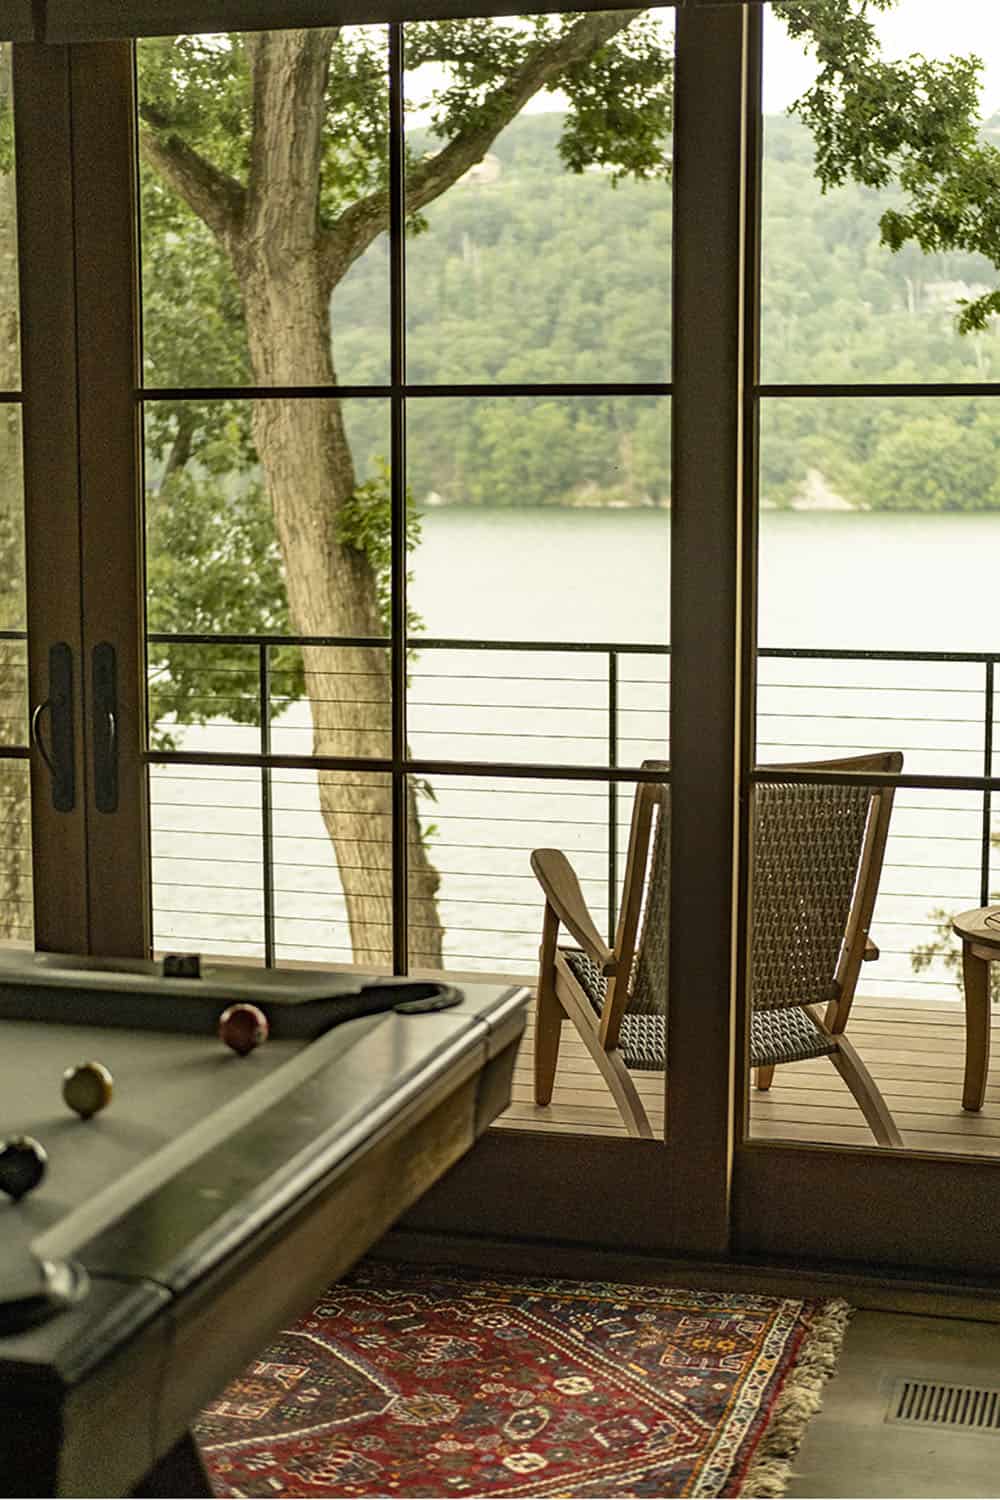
309	472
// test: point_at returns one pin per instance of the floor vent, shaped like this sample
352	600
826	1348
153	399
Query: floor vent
932	1403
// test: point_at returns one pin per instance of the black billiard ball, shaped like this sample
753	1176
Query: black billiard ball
22	1165
243	1027
87	1088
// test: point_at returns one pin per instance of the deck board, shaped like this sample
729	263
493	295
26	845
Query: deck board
915	1051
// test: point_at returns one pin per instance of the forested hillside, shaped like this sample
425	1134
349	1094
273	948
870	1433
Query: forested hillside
530	273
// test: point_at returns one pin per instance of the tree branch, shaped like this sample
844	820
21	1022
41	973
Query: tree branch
363	221
214	196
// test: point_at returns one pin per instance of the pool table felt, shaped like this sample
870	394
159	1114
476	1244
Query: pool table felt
186	1107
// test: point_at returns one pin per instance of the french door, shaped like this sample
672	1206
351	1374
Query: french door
76	133
84	600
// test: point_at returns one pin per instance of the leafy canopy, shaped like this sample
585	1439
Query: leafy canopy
913	121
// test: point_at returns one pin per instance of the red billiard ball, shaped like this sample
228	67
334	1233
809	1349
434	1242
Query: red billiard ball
22	1165
243	1027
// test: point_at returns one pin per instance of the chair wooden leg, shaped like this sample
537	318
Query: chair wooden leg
865	1090
976	977
625	1093
765	1076
549	1014
610	1064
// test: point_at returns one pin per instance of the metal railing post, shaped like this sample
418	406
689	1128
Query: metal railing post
400	872
612	797
984	870
266	810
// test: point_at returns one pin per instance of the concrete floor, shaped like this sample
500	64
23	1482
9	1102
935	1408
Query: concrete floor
850	1450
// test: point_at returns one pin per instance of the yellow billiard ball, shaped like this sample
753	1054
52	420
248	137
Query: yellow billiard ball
87	1088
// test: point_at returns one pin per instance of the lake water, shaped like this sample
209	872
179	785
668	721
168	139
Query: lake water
828	580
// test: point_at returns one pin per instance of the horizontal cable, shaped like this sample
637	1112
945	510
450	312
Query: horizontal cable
797	714
188	911
196	885
828	745
869	687
502	706
493	821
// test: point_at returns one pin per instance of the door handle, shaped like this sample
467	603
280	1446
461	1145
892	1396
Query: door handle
60	757
104	697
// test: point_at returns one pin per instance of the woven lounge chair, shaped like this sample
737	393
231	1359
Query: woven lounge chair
817	857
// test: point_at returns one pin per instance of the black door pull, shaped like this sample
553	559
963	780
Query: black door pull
59	705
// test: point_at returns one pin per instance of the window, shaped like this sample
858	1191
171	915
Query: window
407	480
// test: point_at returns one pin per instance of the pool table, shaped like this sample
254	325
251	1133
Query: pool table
182	1226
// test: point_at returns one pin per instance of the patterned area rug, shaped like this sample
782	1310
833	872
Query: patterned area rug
408	1382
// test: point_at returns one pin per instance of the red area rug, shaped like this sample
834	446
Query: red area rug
408	1382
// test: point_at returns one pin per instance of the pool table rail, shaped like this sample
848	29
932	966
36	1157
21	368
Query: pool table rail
194	1279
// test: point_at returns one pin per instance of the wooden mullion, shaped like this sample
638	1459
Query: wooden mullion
706	553
43	133
104	170
87	20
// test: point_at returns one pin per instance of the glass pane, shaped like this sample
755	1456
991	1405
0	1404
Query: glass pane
10	335
17	911
589	707
547	260
241	544
274	293
332	844
207	860
896	499
478	833
203	697
474	899
811	706
13	689
907	1019
16	908
13	641
838	305
541	519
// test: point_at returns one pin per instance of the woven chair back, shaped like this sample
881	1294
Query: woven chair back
808	843
817	858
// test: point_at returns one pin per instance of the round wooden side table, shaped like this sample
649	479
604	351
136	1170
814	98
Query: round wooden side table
980	934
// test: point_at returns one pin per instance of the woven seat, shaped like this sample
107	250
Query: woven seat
776	1036
817	856
642	1039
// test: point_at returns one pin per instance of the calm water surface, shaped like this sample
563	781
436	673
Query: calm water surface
830	579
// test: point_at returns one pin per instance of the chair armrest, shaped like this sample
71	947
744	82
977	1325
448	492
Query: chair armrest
871	950
562	891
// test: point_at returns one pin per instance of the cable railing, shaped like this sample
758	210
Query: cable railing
243	860
255	839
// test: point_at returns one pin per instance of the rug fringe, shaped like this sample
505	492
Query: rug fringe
801	1398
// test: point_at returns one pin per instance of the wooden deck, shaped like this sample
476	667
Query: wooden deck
915	1051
